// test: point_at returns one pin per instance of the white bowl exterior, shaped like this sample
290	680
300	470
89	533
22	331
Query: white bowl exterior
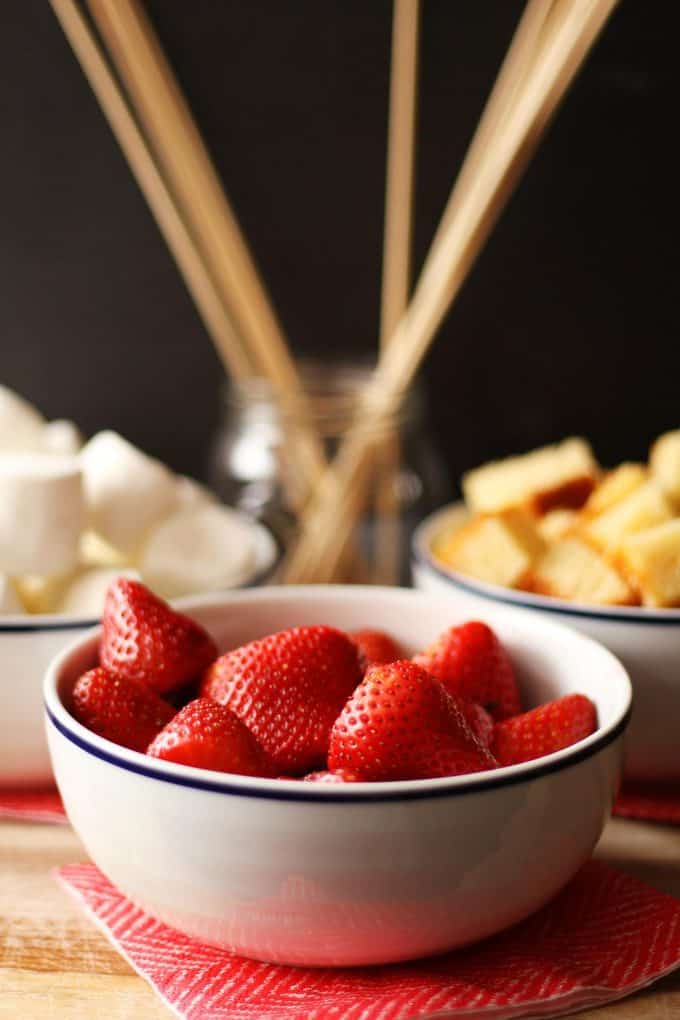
330	883
318	880
24	658
649	650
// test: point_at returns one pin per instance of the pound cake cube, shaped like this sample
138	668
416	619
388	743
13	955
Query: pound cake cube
664	461
456	517
498	548
553	476
570	569
652	558
557	523
643	508
615	486
41	594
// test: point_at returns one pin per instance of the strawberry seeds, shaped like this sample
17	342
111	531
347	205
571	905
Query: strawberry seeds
313	703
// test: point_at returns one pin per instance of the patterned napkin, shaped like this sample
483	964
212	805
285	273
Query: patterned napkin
32	806
605	936
650	802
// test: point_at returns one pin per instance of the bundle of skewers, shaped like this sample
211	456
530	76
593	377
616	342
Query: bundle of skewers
143	103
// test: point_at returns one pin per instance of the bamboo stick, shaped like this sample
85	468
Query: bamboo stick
517	62
573	28
400	166
181	152
396	263
177	236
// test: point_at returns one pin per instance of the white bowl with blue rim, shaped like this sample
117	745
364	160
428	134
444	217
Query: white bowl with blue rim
28	643
364	873
646	640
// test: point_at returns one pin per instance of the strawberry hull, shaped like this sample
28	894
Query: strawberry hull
316	873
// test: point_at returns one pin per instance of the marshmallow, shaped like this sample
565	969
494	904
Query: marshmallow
9	598
85	593
126	492
62	437
21	424
191	493
41	513
199	550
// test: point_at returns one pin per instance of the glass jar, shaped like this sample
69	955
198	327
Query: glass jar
253	464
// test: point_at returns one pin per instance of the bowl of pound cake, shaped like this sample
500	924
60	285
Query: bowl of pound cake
552	531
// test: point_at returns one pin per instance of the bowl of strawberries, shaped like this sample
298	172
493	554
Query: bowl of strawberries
334	776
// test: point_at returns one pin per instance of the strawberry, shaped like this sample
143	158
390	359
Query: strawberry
288	689
330	778
122	710
209	736
471	663
545	729
144	639
401	723
479	721
375	647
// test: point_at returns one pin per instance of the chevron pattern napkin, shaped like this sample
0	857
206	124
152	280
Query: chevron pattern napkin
32	806
605	936
650	802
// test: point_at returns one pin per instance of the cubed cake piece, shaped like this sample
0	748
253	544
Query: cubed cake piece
41	594
570	569
556	524
615	486
664	461
652	558
562	475
9	597
643	508
498	548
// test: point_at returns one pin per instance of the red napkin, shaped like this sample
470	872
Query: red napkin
32	806
606	935
650	802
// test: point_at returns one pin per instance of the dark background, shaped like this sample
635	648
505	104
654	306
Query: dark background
567	325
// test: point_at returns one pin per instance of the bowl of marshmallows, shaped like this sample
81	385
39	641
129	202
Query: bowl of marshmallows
73	516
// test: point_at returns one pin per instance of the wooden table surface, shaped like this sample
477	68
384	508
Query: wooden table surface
55	965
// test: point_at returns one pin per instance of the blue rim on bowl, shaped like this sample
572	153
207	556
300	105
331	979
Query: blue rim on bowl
296	790
422	556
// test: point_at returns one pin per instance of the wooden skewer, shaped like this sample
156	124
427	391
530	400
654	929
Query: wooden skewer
181	152
513	70
400	166
518	60
161	202
396	262
190	258
573	28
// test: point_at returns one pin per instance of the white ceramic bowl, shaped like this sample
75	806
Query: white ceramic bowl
341	875
647	641
27	646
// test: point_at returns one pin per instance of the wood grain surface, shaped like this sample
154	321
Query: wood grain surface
55	965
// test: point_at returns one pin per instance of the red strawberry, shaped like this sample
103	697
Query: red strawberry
545	729
288	689
375	647
400	723
209	736
478	719
124	711
144	639
471	663
330	778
